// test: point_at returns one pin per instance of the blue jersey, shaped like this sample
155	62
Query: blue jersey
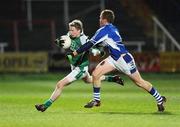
109	36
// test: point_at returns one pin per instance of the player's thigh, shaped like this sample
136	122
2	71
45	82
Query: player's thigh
135	77
77	73
125	64
102	68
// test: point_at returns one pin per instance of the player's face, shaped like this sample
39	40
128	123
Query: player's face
101	21
74	32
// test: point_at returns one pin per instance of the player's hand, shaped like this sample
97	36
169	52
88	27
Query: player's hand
59	42
95	51
69	57
102	54
99	52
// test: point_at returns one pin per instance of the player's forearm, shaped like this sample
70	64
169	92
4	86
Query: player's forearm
85	47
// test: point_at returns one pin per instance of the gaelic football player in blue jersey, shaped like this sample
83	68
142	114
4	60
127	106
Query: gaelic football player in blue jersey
79	65
119	59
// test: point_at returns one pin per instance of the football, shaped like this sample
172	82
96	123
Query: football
67	41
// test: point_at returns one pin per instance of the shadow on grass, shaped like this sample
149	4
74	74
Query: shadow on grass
138	113
126	113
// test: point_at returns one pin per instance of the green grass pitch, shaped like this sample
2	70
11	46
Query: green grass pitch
127	106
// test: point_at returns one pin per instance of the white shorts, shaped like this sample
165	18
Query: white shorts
125	63
77	73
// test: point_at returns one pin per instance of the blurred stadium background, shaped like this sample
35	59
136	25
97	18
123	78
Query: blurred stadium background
28	28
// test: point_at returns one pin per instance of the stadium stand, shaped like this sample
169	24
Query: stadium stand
132	18
168	13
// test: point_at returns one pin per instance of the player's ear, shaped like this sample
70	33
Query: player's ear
79	31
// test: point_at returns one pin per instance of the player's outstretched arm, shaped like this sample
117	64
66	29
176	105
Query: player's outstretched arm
83	48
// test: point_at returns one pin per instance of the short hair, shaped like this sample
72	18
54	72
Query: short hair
108	15
77	24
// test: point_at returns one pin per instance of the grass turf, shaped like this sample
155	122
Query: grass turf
127	106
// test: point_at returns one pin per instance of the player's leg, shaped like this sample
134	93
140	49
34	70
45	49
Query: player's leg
58	89
56	93
127	65
139	81
102	68
113	78
109	78
76	74
87	78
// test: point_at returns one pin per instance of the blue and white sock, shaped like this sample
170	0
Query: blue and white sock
156	95
96	93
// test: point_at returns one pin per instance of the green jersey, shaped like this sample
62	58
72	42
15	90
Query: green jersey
80	60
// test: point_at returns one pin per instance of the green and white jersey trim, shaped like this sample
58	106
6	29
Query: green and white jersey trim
77	42
77	73
81	59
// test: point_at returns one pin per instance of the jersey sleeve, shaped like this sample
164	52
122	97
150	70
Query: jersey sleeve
99	36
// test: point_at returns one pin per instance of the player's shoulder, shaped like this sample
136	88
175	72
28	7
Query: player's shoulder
103	29
83	38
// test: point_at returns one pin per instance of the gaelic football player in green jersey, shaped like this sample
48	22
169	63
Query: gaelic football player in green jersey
79	65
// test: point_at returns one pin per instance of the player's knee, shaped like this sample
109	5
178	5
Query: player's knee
87	80
96	75
64	82
60	85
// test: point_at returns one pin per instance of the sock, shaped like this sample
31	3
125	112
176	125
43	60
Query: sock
48	103
96	94
156	95
109	78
